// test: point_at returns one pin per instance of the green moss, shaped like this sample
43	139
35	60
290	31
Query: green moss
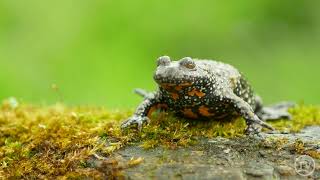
168	131
55	141
303	115
58	141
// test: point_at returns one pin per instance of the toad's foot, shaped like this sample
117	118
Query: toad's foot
283	105
135	120
254	131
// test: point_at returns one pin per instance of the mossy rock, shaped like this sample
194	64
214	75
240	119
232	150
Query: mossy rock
81	142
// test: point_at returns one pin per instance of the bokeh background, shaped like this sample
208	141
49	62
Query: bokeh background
95	52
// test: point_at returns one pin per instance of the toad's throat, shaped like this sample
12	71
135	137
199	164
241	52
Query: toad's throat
175	87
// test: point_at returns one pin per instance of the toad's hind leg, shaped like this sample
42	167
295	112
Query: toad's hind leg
273	112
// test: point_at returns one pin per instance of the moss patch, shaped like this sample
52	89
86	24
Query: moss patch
303	115
58	141
299	147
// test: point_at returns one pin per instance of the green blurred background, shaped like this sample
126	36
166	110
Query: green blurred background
97	51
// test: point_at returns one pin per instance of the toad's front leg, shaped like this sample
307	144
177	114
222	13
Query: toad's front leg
143	112
246	111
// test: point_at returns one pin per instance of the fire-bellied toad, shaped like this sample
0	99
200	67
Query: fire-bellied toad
205	89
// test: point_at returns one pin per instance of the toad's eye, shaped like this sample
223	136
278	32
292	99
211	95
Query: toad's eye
163	61
188	63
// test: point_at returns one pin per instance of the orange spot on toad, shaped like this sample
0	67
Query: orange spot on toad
179	88
175	87
204	111
175	96
195	92
189	114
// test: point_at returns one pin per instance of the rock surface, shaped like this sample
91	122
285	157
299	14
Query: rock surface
220	158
